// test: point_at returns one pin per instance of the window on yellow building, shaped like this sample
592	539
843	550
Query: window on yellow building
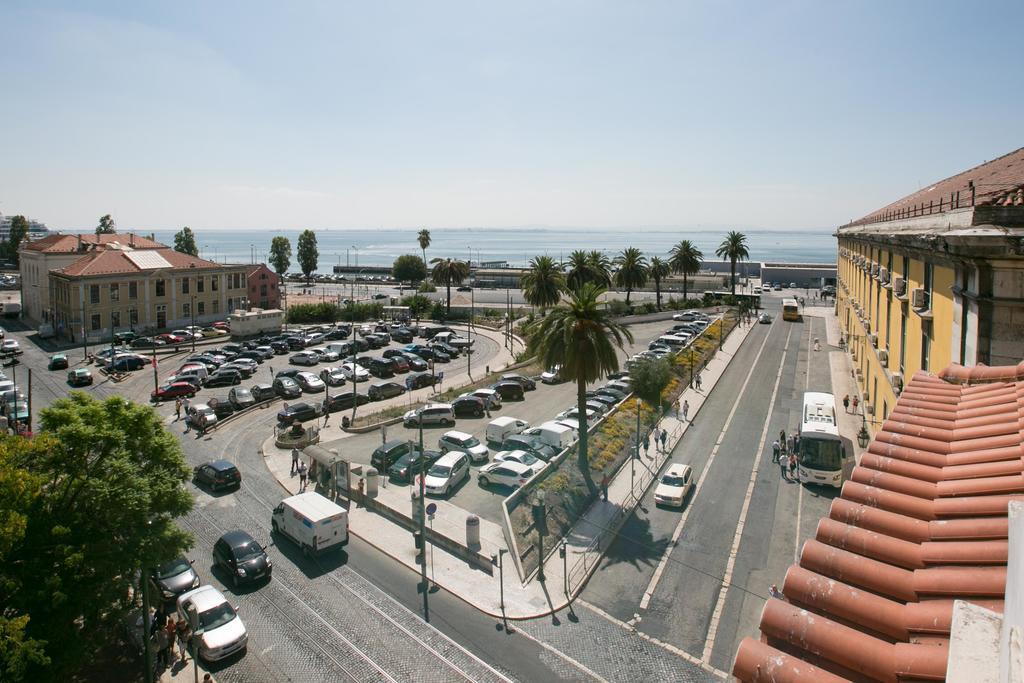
926	344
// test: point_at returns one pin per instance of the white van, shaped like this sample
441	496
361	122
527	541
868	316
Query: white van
200	372
503	427
446	473
554	434
313	522
673	340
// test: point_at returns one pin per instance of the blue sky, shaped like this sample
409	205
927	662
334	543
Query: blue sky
451	114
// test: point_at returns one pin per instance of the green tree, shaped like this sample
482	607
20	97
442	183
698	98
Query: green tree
106	226
448	272
543	283
17	233
600	268
114	482
280	254
307	253
632	270
686	259
579	270
650	376
734	248
418	305
409	268
658	270
581	337
424	240
185	242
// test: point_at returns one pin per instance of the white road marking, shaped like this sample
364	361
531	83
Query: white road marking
716	616
683	654
677	532
800	490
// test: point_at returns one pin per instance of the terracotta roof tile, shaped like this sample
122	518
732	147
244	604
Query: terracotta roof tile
922	522
116	261
58	242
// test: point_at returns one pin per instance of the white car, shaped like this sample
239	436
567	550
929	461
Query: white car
223	631
488	396
354	373
186	334
684	317
505	473
10	346
446	473
335	377
552	375
326	355
466	443
674	486
310	383
574	414
523	458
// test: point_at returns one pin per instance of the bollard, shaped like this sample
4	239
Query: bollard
371	483
473	532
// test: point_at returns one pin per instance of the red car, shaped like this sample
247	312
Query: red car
221	324
173	390
171	338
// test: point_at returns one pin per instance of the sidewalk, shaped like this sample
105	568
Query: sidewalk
843	382
182	672
584	544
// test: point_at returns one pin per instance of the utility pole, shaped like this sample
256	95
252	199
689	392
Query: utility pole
30	399
85	337
156	382
355	369
193	330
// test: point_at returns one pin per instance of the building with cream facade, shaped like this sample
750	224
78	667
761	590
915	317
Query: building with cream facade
935	278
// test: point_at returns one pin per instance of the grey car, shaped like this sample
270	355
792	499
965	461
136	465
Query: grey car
171	579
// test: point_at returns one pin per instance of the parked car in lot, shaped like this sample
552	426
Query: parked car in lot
612	393
674	485
286	387
412	463
217	475
465	443
468	406
382	390
147	343
174	577
310	383
503	427
333	377
446	349
447	473
508	390
354	373
504	473
532	444
527	383
240	556
241	398
327	355
304	358
381	367
223	633
552	375
167	391
523	458
345	400
387	454
222	407
244	369
488	396
453	340
420	380
399	365
201	416
416	364
58	361
263	392
224	378
300	412
430	414
402	335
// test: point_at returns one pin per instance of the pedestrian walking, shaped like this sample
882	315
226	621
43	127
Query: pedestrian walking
186	404
664	440
604	486
177	409
846	403
384	434
303	471
271	372
487	407
856	402
295	461
796	444
188	421
790	444
697	381
647	442
183	633
160	640
792	465
686	410
782	440
776	450
783	466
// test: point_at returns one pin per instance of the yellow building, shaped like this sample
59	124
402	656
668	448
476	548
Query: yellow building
934	278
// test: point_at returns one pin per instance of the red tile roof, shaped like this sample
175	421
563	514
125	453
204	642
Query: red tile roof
998	182
117	261
921	522
57	243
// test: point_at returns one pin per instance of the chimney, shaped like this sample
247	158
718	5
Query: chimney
78	247
131	239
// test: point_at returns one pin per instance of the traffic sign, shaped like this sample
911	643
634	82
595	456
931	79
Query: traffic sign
432	508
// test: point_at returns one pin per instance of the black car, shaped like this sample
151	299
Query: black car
528	383
420	380
238	554
393	353
224	378
403	335
244	369
263	392
338	334
440	356
147	343
603	398
286	387
468	406
58	361
280	347
171	579
344	401
383	390
217	474
530	444
412	463
508	390
363	361
248	345
448	349
241	398
222	407
381	367
125	337
254	355
376	341
300	412
613	393
416	363
296	343
386	455
289	372
127	364
361	344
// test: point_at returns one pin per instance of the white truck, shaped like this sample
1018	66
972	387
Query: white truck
559	436
313	522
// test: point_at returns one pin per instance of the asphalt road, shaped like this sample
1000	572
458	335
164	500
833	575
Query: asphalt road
742	416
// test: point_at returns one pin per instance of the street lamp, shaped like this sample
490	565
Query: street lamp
863	437
540	521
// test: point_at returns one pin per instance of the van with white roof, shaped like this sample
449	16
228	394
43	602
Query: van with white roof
500	428
313	522
554	434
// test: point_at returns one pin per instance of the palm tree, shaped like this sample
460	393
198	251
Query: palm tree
581	336
733	247
658	269
424	239
579	270
600	268
449	271
632	272
543	283
686	259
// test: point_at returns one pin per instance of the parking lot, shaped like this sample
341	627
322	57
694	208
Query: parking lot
538	406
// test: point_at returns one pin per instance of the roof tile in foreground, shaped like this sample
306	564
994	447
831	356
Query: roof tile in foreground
922	522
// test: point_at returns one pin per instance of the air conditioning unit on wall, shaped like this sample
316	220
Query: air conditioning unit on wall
899	286
897	382
873	340
919	298
874	270
883	275
883	356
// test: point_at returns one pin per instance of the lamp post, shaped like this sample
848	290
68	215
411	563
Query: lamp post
539	521
863	436
192	310
499	559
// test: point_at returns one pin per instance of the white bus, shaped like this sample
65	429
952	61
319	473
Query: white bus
822	457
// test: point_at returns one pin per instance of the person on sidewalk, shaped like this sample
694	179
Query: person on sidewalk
604	486
782	440
303	472
177	409
295	461
783	466
792	465
183	633
856	403
686	410
696	381
790	444
796	444
776	450
664	440
846	403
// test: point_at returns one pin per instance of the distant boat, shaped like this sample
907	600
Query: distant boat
36	230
